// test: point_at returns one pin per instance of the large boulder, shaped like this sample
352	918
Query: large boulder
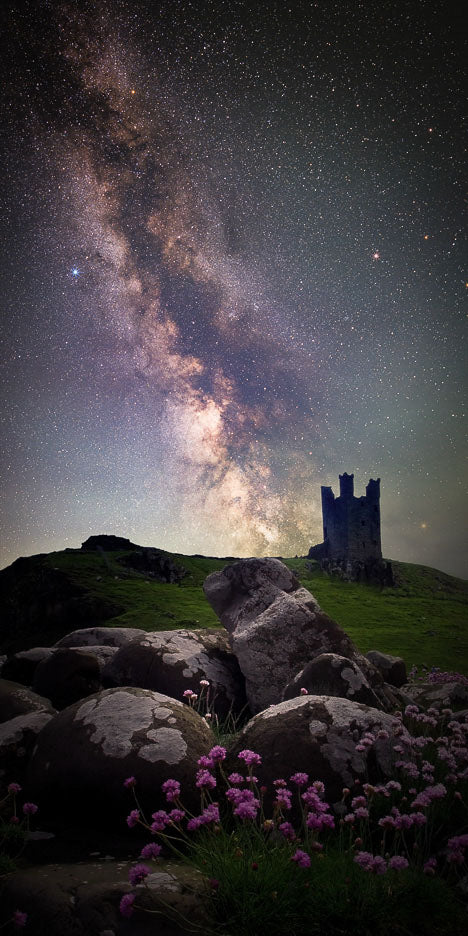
174	661
21	666
276	627
17	739
67	675
16	699
321	735
83	756
393	668
333	675
439	695
100	636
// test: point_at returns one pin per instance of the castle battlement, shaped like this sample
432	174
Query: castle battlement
351	525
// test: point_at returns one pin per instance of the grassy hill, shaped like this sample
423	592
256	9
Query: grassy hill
423	618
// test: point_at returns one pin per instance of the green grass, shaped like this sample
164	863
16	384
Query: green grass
423	619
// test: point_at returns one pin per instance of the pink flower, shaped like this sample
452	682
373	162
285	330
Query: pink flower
172	789
304	691
430	866
205	761
19	918
210	813
29	809
283	796
250	757
301	858
235	778
361	813
161	820
373	863
126	905
152	850
176	815
300	779
205	779
137	874
133	818
204	682
287	830
217	753
129	782
247	809
14	788
398	863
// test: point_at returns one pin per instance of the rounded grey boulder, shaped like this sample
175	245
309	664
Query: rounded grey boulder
85	753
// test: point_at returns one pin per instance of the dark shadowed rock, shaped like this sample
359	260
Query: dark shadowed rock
333	675
16	699
83	899
17	739
22	665
173	661
320	735
67	675
276	627
393	668
84	755
439	695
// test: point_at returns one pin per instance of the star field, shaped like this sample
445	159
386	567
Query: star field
235	266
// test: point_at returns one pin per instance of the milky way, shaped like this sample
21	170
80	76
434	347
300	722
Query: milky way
235	267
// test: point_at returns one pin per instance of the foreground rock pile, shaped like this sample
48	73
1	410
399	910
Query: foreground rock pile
103	704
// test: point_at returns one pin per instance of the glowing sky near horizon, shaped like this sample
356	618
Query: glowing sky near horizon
236	266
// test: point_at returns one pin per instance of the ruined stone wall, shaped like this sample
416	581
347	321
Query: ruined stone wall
351	525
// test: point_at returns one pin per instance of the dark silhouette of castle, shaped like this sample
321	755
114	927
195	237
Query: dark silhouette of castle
351	525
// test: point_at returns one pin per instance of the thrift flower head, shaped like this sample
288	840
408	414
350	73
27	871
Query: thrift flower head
172	789
129	782
300	779
29	809
204	682
235	778
205	779
151	850
161	820
126	905
14	788
217	753
304	691
287	830
133	818
398	863
301	858
176	815
138	873
19	917
250	757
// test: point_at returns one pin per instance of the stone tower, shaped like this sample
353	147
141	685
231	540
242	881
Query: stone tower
351	525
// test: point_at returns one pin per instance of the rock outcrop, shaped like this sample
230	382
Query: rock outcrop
276	627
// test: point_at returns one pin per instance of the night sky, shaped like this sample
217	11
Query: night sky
234	266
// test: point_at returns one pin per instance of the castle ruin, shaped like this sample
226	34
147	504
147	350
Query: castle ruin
351	533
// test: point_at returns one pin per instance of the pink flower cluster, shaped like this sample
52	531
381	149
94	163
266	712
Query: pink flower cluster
375	864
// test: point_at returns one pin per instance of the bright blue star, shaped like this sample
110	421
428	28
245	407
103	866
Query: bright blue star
75	272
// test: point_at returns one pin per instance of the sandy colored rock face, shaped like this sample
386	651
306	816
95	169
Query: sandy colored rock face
276	627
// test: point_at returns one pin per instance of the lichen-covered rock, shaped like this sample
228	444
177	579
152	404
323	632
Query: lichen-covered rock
173	661
393	668
333	675
100	636
16	699
320	735
87	751
276	627
439	695
67	675
21	666
17	739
